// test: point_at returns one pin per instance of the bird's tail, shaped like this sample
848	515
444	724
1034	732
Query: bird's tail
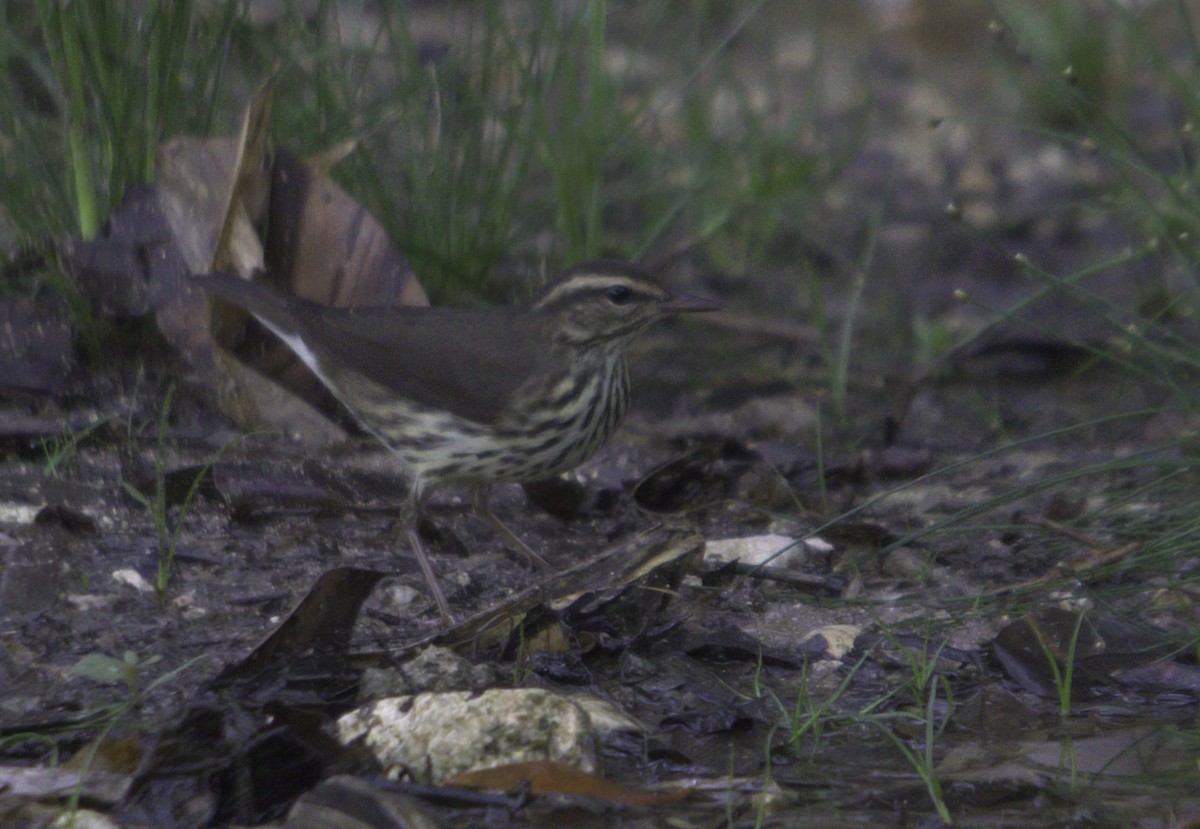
271	308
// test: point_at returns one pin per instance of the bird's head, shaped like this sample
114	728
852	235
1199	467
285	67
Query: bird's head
605	303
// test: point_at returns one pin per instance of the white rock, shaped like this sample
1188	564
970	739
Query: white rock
132	578
438	735
396	597
90	601
787	416
83	819
756	549
818	545
18	513
839	639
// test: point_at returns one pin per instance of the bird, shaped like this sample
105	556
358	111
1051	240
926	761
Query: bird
476	396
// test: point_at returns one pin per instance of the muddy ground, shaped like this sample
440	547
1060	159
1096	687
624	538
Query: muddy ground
972	525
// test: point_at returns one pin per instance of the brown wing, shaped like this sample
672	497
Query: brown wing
467	361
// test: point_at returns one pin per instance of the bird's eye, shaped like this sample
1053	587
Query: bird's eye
619	294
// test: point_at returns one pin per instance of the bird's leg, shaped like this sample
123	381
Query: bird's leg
410	519
479	503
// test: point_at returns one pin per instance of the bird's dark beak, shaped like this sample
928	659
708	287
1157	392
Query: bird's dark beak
685	304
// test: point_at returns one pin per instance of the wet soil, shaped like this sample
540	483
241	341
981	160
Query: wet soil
960	517
923	553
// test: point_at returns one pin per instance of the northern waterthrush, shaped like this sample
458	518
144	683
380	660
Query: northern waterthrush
477	396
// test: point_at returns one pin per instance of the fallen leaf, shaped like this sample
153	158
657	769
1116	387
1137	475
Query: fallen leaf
315	635
543	777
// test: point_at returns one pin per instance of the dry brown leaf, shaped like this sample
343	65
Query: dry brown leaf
317	629
237	245
322	245
326	247
118	755
543	777
329	158
213	191
202	214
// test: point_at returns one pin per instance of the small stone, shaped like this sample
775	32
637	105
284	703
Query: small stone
83	819
90	601
838	639
907	563
18	513
756	549
132	578
790	417
396	597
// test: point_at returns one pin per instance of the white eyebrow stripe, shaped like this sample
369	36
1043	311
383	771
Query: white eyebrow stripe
581	282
